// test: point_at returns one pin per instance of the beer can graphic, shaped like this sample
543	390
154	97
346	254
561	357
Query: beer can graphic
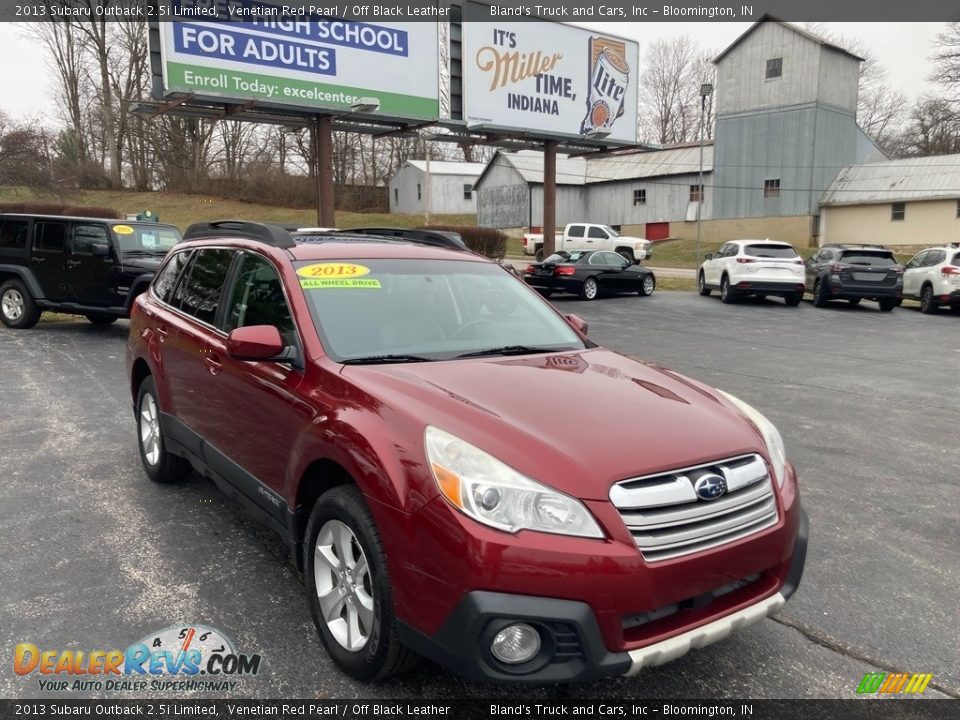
609	75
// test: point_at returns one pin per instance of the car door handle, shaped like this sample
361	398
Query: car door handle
38	259
73	263
213	363
162	332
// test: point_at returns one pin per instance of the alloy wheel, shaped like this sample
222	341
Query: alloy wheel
344	585
12	304
150	430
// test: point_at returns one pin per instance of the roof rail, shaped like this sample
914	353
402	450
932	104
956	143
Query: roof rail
267	234
437	238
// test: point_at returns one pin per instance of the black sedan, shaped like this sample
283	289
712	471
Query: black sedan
589	273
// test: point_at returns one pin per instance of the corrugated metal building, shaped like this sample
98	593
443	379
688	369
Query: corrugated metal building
912	201
785	125
451	187
641	192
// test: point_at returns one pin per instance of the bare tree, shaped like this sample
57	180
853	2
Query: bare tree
669	106
946	61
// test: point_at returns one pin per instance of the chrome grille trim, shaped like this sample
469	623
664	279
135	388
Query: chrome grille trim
668	520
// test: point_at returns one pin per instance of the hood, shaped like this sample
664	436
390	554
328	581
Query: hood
632	239
576	421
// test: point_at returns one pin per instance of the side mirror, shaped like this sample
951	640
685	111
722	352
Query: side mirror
708	256
577	323
256	342
100	249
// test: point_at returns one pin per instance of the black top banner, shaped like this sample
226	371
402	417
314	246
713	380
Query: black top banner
612	11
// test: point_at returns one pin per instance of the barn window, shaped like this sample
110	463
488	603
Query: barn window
958	208
419	194
771	188
774	68
898	211
396	195
640	196
696	192
467	191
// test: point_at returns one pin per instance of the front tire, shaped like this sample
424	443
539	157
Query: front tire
647	285
928	306
350	594
18	310
702	286
160	465
539	254
589	290
726	292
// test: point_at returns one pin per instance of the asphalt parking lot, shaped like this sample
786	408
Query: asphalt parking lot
868	403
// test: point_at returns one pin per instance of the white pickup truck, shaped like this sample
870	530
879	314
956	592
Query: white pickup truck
589	236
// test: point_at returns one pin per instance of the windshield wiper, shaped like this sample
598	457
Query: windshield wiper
383	359
506	350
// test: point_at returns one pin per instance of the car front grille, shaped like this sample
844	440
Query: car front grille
667	519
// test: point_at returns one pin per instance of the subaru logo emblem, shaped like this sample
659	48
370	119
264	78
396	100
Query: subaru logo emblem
710	487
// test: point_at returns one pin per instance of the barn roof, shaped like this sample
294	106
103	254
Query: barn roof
443	167
790	26
926	178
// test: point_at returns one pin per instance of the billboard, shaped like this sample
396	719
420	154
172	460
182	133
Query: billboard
550	79
322	63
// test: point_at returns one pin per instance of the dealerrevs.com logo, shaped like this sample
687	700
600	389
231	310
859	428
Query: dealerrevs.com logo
187	658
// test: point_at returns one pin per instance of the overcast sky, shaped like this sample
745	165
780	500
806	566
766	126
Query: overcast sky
27	84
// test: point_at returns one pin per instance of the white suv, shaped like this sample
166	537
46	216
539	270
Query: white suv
933	278
753	267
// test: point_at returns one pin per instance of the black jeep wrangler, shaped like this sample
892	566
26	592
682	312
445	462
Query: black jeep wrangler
86	266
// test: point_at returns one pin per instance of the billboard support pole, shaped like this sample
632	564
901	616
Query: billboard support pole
549	197
323	147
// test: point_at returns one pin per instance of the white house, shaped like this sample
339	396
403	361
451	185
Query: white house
451	187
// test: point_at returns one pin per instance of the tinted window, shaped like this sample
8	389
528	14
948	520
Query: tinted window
918	259
596	232
258	299
825	256
13	234
49	236
770	251
166	279
865	257
956	260
936	257
85	236
200	295
614	259
575	231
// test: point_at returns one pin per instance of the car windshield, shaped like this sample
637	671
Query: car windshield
136	239
770	251
408	310
866	257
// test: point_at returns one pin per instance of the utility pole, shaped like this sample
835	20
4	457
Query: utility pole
706	90
549	197
426	214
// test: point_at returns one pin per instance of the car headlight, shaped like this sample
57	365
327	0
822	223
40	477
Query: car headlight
771	436
490	492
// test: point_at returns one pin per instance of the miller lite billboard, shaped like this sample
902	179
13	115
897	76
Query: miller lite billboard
549	79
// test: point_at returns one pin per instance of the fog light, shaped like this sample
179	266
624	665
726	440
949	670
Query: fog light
516	644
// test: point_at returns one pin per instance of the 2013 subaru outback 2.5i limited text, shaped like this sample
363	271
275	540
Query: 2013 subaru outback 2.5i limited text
460	472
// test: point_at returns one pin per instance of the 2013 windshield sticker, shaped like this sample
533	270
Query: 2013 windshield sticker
329	270
320	276
123	230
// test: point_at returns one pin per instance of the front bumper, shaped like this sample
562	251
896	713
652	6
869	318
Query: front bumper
573	646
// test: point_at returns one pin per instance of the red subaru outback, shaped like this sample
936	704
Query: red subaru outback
458	470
